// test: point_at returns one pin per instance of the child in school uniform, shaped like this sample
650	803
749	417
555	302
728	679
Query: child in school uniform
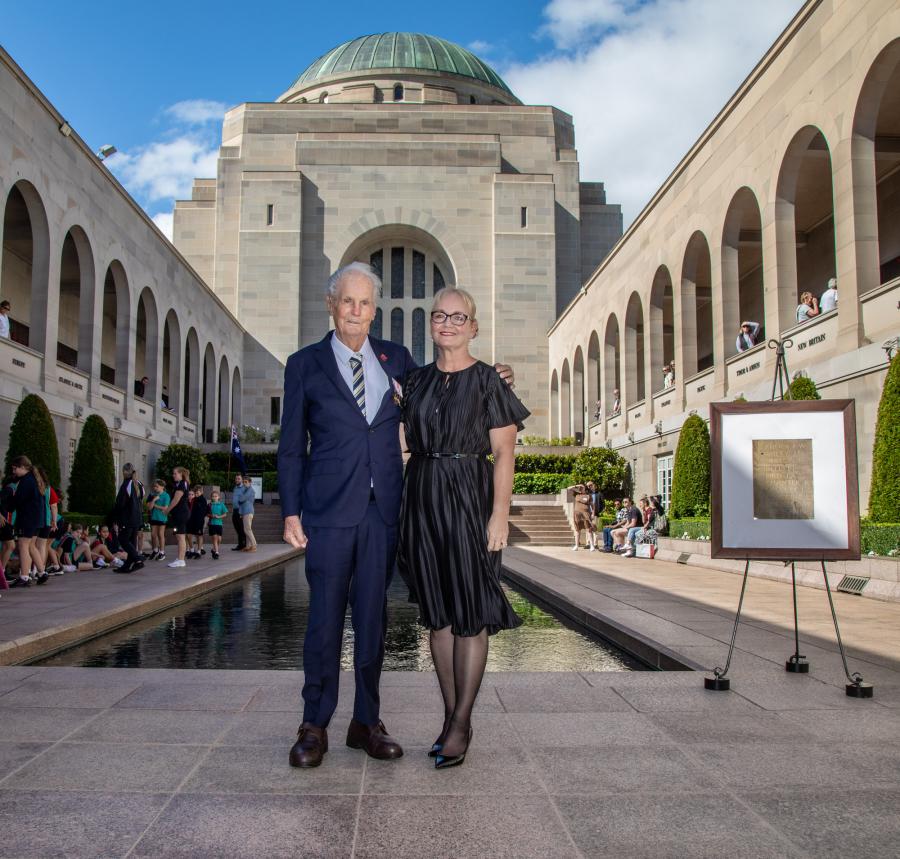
158	518
218	510
196	522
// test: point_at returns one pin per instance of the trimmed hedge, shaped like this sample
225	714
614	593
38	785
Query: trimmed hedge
218	461
690	475
185	456
884	492
32	434
695	528
803	388
545	463
92	484
606	468
89	520
540	484
882	538
540	441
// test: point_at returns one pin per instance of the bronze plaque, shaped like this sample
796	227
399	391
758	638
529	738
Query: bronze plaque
783	478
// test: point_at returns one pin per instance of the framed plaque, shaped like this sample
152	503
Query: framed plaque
784	480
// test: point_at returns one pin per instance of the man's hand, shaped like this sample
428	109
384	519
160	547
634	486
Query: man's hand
506	373
293	532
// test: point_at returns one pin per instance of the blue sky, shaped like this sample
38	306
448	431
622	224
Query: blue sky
642	78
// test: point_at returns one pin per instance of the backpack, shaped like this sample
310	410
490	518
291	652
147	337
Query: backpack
661	524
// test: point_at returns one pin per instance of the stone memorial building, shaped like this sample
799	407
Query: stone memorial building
408	152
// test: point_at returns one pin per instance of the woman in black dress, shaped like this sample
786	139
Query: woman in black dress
28	504
454	519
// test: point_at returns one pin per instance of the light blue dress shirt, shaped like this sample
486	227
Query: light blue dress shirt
376	380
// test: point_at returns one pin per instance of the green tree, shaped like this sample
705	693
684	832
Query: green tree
690	475
32	434
184	456
605	467
884	492
803	388
92	485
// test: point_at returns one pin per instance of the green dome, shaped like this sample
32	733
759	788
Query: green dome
400	51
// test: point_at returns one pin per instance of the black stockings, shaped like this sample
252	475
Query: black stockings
459	662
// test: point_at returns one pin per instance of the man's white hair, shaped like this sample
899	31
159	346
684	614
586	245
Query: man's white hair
358	267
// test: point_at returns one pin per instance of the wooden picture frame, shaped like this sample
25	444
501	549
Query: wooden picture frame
784	481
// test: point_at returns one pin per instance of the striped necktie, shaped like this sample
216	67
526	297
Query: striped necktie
359	383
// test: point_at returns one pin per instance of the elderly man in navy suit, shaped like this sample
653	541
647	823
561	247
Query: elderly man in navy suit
340	471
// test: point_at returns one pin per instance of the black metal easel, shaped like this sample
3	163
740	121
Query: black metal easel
796	663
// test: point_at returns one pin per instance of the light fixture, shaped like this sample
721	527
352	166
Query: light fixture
891	346
65	129
105	151
78	410
631	437
148	432
658	427
117	422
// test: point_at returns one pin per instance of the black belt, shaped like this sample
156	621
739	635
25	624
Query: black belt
435	455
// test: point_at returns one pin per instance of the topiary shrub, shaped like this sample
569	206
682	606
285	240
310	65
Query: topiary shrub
605	467
690	474
92	484
32	434
803	388
537	483
185	456
884	491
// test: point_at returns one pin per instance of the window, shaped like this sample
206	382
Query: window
418	274
398	92
376	260
270	214
418	336
275	410
664	478
524	217
397	325
377	325
397	255
473	100
438	280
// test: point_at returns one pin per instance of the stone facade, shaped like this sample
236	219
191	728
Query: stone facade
100	298
455	182
796	180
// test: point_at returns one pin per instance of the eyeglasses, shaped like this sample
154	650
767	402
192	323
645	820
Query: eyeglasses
439	318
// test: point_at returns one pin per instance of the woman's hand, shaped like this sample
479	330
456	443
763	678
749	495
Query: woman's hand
497	532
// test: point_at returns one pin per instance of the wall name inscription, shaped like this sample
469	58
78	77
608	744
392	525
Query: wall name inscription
665	403
637	415
111	399
813	341
76	385
18	363
748	369
701	388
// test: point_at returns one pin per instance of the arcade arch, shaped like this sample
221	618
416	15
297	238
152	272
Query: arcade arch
76	301
594	381
743	292
661	325
612	370
146	350
565	401
578	424
696	308
635	367
115	327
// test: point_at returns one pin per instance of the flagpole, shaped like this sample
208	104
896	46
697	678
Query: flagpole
228	473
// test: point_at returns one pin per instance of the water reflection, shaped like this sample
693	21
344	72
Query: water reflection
260	623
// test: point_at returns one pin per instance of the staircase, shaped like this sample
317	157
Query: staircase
544	525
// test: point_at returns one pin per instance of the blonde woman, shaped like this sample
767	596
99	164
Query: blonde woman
454	518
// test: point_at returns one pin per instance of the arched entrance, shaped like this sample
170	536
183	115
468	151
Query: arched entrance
25	264
635	369
662	327
170	392
114	337
578	427
611	366
413	266
804	218
743	293
76	301
146	349
696	308
554	405
593	378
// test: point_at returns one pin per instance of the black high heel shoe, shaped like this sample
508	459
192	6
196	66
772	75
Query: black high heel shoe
438	744
442	762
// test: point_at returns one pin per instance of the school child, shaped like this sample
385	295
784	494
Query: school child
218	510
7	535
28	505
158	517
101	553
75	551
196	521
178	510
51	511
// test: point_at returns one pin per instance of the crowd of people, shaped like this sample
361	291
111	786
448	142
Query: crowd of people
633	525
38	541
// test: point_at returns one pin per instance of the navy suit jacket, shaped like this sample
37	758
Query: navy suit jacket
328	455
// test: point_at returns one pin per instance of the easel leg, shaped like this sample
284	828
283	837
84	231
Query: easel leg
797	664
720	683
856	688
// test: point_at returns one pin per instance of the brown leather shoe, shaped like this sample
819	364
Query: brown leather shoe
375	739
310	748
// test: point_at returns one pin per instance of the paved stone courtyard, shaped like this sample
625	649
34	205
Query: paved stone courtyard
128	762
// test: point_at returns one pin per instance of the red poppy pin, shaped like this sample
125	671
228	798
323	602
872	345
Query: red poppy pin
382	357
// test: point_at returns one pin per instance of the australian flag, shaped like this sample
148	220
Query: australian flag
236	450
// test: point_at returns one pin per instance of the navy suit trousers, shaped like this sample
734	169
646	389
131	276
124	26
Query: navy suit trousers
347	565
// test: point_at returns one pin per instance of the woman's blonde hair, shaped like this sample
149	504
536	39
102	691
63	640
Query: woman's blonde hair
806	296
466	297
185	474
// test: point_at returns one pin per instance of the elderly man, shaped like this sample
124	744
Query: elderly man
341	395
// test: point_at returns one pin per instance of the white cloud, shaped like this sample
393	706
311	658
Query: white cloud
643	79
197	111
164	221
480	47
165	169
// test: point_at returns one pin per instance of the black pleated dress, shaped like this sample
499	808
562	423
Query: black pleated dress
447	502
